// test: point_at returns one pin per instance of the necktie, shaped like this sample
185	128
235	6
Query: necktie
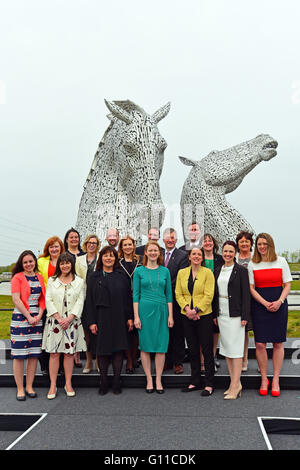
167	259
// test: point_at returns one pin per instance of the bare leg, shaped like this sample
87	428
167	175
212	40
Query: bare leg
262	359
278	356
235	369
18	366
245	358
53	371
236	373
159	367
30	373
68	367
76	358
146	362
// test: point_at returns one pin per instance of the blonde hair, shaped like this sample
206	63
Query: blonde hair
271	255
84	245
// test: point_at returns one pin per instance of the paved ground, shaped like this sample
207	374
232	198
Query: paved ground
137	421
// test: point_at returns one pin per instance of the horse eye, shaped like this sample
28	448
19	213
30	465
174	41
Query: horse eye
130	148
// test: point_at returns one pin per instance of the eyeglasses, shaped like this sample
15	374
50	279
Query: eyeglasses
92	243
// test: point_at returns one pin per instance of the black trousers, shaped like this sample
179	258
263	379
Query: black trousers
200	333
176	349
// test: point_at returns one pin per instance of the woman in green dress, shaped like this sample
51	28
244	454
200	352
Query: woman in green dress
153	311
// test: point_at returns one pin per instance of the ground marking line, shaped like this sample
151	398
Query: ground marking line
42	416
263	429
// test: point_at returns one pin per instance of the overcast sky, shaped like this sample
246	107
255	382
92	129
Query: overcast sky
231	70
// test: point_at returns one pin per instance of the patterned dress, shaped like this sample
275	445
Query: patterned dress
58	340
26	340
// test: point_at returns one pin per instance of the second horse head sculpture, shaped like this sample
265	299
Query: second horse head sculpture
217	174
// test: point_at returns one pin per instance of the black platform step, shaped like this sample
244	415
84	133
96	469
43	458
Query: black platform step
289	378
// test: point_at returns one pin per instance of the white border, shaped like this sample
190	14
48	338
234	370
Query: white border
42	416
263	430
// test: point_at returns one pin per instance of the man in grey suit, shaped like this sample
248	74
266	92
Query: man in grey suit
175	259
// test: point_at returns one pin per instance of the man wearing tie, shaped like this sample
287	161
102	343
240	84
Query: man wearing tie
175	259
194	235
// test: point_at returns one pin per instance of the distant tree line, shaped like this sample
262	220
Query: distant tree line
6	269
291	256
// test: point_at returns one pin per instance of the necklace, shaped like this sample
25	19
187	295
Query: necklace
127	272
157	280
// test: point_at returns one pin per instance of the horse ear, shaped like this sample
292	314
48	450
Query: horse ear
187	161
161	113
118	112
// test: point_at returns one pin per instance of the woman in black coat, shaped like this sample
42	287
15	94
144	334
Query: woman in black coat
110	316
231	306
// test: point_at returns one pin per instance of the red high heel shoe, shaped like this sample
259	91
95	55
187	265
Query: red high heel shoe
275	393
264	391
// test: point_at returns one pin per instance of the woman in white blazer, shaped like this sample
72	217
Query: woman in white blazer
63	333
84	266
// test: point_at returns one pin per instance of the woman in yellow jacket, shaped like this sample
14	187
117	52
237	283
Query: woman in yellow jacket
194	293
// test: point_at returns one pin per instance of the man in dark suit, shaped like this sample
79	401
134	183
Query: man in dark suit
175	259
194	237
153	234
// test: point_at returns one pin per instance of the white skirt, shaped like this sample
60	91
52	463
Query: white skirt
232	336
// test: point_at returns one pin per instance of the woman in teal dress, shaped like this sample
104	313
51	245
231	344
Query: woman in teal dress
153	311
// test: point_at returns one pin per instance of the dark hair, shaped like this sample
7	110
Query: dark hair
202	251
66	237
106	249
18	267
231	243
216	245
67	258
247	235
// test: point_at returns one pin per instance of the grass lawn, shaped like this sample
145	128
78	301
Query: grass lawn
293	330
294	266
5	302
295	285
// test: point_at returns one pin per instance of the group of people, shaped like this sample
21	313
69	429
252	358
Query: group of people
139	303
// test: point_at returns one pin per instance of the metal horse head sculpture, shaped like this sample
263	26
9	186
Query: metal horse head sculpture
122	187
217	174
